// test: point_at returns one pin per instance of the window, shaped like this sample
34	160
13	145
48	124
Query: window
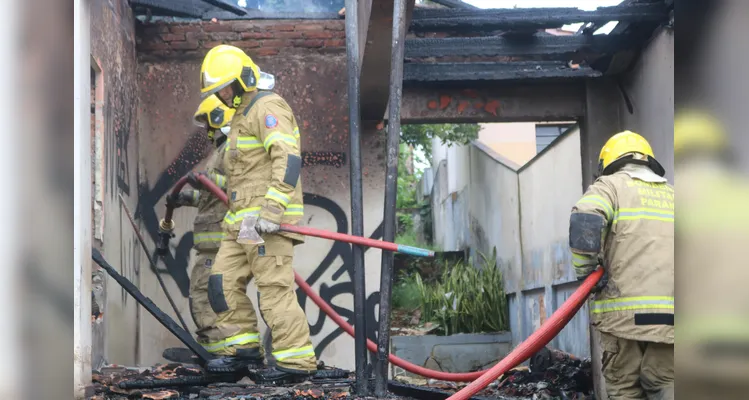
545	134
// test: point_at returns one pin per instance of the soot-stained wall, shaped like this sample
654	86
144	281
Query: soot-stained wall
115	173
313	81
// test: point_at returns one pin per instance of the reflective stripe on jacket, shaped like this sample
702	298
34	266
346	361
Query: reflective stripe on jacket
638	251
263	163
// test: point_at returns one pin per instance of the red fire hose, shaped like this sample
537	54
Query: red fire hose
480	379
167	226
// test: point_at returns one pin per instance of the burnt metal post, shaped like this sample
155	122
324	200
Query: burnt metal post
357	210
391	192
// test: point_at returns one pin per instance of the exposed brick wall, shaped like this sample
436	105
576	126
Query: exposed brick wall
256	37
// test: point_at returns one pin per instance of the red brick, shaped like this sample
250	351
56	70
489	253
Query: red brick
211	44
151	46
266	52
246	44
311	43
257	35
309	27
243	26
184	28
193	36
334	25
339	34
284	27
335	43
318	35
286	35
184	45
170	37
275	43
225	36
216	27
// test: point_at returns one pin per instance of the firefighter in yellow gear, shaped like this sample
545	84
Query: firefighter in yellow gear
214	116
625	223
713	231
263	166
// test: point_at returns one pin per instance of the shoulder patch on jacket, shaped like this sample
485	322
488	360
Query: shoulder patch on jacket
270	121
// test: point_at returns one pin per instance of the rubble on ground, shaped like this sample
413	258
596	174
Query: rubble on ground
562	378
185	381
557	376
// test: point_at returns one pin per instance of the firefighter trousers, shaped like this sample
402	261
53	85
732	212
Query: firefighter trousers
637	369
200	308
270	264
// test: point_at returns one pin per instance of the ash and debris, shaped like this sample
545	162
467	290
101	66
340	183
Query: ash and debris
566	379
184	381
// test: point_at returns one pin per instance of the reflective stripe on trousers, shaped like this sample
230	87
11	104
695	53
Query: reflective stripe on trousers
203	237
237	340
301	352
633	303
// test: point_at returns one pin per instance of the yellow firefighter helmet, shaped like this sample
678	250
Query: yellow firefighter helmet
626	147
698	131
224	65
213	114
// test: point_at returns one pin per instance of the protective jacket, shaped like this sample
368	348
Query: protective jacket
263	163
636	210
207	232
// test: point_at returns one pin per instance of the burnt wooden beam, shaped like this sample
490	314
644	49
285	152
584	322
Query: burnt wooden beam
490	71
455	4
168	8
520	46
224	5
434	20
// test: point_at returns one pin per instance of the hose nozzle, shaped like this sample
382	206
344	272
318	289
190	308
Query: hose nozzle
166	230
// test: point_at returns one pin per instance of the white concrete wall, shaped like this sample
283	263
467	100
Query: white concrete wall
550	185
493	212
524	214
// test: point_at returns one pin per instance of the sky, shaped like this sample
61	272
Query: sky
588	5
582	4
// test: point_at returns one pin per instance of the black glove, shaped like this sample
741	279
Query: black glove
192	178
601	283
180	199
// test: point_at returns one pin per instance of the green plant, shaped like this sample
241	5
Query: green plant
467	299
420	136
406	293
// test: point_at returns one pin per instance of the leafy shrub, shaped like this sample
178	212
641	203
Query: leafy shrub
467	300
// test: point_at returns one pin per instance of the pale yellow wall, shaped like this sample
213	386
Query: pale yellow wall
515	141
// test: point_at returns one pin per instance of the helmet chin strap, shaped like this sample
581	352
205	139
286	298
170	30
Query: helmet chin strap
237	101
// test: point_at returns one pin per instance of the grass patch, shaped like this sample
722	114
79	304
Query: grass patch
406	293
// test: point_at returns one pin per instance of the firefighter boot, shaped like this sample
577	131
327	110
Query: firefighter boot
280	376
243	360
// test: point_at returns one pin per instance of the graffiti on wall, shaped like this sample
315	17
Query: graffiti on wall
177	261
118	127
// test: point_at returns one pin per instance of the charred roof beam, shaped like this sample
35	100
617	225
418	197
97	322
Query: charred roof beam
455	4
490	71
528	46
186	8
530	18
